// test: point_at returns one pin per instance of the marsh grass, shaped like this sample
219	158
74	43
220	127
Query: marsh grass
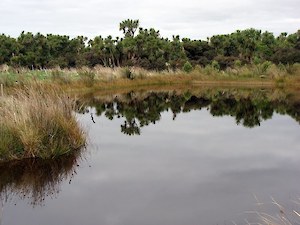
105	77
38	122
87	78
60	77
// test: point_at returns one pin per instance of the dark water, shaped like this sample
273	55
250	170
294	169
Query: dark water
166	159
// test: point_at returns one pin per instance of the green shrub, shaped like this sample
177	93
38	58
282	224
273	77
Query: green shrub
238	63
256	60
187	67
209	70
262	68
215	65
265	66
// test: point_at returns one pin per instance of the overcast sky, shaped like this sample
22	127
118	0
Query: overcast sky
196	19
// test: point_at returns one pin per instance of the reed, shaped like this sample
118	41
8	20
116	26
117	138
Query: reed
100	77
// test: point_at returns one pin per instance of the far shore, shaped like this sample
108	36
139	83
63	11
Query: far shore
103	78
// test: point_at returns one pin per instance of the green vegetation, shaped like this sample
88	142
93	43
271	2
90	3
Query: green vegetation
187	67
145	48
99	77
143	53
35	122
39	123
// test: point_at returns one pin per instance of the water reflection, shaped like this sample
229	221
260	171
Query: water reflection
248	107
36	179
197	170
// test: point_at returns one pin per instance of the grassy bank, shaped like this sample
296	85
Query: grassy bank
35	122
118	78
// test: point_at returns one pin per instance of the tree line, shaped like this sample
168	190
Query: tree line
146	48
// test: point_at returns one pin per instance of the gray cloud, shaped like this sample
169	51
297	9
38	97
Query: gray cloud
189	18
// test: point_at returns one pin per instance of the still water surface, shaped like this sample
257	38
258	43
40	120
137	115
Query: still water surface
193	168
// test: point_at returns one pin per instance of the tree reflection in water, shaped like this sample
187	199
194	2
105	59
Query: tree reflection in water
248	107
36	179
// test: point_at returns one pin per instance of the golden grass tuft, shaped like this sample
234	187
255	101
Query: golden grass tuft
35	122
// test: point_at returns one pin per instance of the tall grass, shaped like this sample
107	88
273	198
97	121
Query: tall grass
38	123
108	78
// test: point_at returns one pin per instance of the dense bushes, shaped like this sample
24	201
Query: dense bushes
147	49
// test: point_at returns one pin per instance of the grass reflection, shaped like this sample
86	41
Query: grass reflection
36	179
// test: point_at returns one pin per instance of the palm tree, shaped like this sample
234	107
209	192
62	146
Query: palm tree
129	27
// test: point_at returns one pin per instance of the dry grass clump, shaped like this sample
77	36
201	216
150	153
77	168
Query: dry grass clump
4	68
107	73
38	123
60	76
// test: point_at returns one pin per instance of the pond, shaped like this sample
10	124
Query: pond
212	156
